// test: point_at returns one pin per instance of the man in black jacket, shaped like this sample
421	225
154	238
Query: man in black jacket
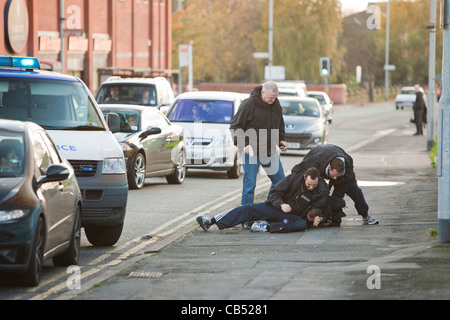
336	165
287	209
257	130
419	108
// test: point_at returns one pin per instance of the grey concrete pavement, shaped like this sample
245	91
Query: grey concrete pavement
397	259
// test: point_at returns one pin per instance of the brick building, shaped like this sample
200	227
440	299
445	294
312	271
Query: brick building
101	37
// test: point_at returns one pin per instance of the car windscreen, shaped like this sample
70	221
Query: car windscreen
407	92
128	94
11	154
319	97
300	108
53	104
212	111
129	119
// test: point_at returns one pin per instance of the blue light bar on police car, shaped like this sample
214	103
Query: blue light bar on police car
20	62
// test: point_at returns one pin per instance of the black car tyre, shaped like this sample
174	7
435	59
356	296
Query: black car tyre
101	236
136	176
71	255
32	276
178	176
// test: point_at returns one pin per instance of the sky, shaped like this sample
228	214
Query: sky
352	6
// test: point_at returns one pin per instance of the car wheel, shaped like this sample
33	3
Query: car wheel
32	275
71	256
136	176
101	236
235	171
178	176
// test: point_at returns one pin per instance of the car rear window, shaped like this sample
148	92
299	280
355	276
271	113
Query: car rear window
300	108
213	111
128	94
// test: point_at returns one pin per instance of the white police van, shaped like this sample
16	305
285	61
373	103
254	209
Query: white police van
64	106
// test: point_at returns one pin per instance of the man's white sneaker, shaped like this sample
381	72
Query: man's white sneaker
370	220
260	226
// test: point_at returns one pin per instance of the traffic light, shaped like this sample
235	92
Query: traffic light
325	66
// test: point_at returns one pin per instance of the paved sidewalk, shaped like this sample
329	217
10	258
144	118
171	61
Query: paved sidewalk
397	259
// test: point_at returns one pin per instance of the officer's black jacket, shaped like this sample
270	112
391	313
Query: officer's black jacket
291	189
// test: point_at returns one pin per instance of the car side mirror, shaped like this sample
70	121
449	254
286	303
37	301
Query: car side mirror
55	172
153	130
165	102
113	121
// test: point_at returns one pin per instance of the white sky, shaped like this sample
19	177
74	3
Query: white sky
352	6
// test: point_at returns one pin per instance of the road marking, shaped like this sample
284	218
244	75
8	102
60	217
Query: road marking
206	208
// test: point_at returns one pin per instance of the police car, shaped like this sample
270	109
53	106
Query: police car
64	106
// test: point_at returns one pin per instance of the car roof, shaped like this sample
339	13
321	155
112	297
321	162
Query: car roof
35	74
219	95
292	98
116	79
17	126
316	92
131	107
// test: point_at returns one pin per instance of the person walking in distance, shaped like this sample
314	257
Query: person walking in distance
419	107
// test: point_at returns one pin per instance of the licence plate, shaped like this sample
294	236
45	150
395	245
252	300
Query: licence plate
293	145
195	155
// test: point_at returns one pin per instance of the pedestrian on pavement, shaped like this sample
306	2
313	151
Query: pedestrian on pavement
299	200
258	130
337	166
419	110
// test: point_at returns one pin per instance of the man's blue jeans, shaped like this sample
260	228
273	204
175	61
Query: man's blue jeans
273	168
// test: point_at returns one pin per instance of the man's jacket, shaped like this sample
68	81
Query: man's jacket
292	190
321	156
256	114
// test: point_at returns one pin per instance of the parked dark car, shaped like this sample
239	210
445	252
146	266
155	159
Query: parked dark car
40	203
152	145
305	124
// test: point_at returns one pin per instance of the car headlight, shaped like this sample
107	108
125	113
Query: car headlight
114	166
125	147
12	215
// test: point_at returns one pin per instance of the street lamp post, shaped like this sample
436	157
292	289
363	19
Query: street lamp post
386	58
443	162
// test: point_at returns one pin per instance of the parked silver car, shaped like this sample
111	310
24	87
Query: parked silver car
206	117
325	102
152	146
305	124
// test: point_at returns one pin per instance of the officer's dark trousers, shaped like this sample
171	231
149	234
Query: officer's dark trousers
350	187
256	212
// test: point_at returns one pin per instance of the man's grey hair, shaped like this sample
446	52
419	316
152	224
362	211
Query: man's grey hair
270	86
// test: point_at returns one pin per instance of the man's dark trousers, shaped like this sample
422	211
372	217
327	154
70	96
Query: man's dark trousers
256	212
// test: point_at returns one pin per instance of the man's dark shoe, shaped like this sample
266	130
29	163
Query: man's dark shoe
205	223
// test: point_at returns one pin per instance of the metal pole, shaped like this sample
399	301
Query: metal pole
270	38
431	76
386	58
62	20
191	66
443	170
